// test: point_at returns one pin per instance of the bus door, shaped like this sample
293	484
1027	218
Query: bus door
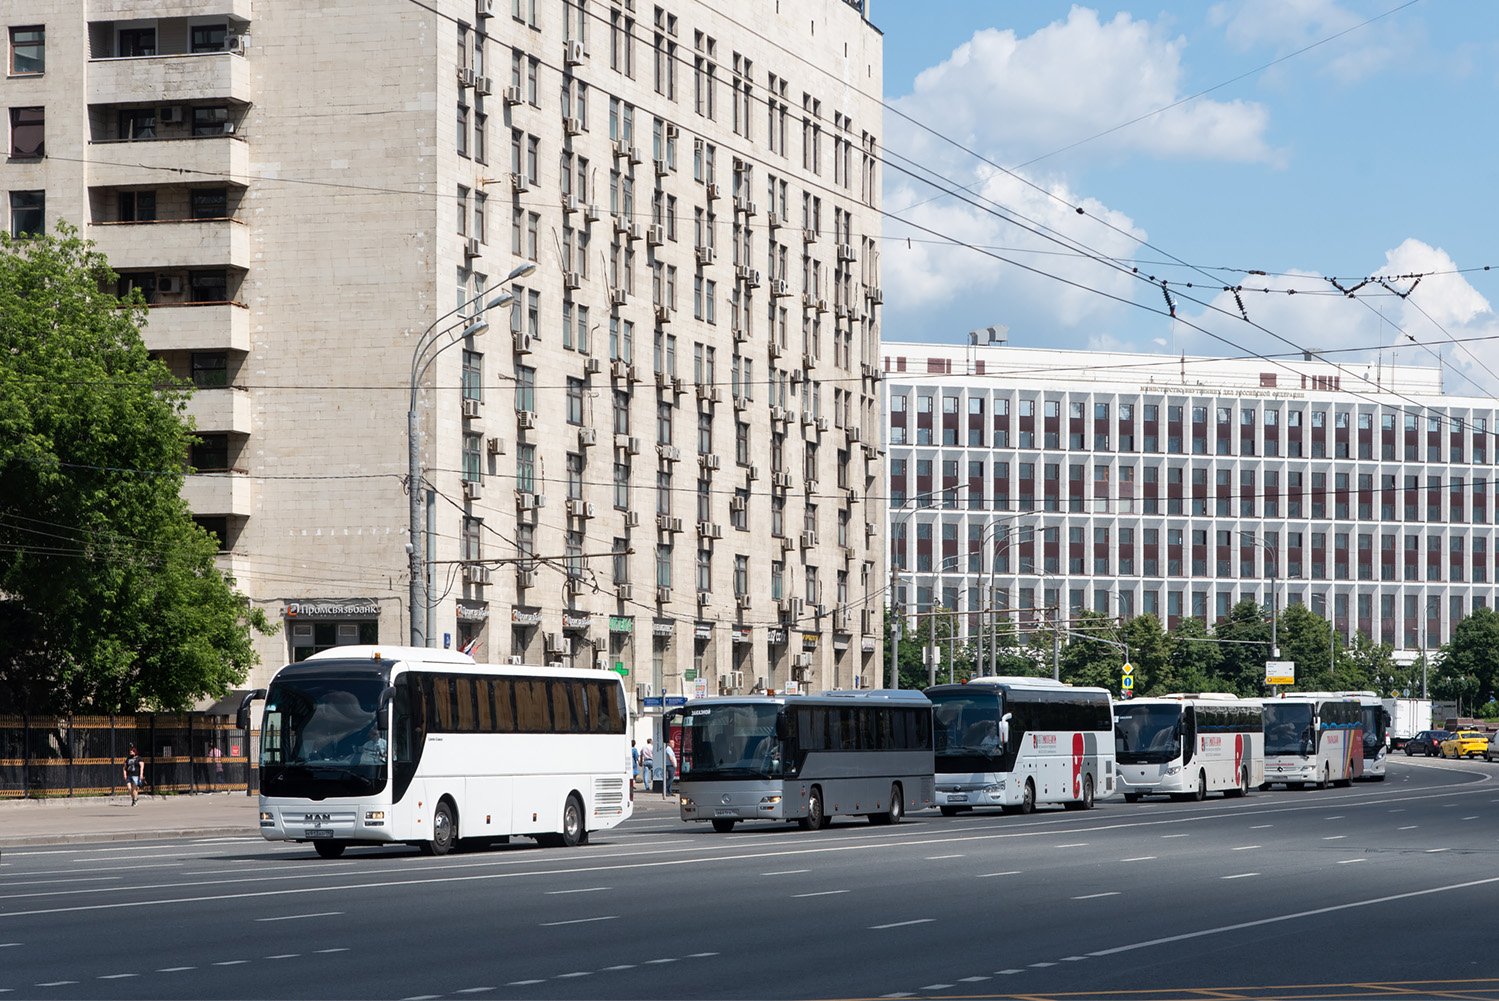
1187	732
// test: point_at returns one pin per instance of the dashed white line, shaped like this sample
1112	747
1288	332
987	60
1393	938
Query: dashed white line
324	952
1261	827
902	924
232	962
1335	837
569	976
299	917
986	875
1176	835
57	983
819	893
1078	844
900	994
936	987
117	976
1095	896
1242	875
794	872
611	969
658	962
175	969
1470	818
9	945
1350	861
285	955
1412	827
1073	959
933	858
1006	973
1246	848
973	980
1338	817
474	990
524	983
1138	858
700	955
1037	966
580	921
584	889
1433	851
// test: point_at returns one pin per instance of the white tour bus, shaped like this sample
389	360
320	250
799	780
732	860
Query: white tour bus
1186	746
1376	729
476	752
1015	742
1313	738
805	757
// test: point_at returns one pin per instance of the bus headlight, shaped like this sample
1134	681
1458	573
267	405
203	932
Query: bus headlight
265	815
687	803
769	802
374	815
1173	769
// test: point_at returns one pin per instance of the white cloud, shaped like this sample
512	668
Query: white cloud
1288	25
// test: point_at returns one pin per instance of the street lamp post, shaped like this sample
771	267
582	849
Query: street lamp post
428	347
1270	566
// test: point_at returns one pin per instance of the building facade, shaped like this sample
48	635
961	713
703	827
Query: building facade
307	192
1130	484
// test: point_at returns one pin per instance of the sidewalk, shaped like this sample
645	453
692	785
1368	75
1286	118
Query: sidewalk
62	821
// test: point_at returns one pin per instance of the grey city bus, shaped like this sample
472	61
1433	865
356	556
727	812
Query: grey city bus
805	758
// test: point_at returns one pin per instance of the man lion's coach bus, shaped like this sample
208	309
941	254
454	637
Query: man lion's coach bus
1313	738
1015	742
374	744
1186	746
805	758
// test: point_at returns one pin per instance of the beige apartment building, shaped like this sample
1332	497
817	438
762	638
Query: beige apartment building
660	458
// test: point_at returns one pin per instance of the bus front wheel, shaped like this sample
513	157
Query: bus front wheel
814	820
1027	800
723	825
329	849
444	830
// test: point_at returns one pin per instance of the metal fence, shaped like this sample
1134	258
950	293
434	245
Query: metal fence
85	755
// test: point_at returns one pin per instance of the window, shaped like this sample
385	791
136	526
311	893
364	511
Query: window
471	461
574	401
137	206
473	375
462	120
27	132
28	50
208	286
208	37
213	121
210	369
209	203
137	42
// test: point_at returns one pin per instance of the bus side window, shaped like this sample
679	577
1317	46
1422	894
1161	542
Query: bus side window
531	705
504	704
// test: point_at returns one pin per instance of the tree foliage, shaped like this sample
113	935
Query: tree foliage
109	597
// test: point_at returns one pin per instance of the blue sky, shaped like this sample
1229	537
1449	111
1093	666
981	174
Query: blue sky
1370	154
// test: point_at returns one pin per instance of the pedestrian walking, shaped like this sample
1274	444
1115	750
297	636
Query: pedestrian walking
647	756
634	764
671	767
133	765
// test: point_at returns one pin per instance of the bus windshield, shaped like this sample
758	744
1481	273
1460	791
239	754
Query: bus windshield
1374	730
966	730
1288	728
730	742
1146	734
319	738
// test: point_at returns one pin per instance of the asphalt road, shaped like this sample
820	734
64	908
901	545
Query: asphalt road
1378	889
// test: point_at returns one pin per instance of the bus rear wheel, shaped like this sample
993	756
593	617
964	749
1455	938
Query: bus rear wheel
896	811
1243	787
1086	801
329	849
814	820
723	825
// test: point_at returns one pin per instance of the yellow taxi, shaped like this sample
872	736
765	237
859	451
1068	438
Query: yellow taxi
1464	743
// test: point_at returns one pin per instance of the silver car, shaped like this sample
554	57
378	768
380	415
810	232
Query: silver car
1491	752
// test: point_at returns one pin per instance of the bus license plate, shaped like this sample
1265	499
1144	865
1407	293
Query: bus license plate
317	834
957	797
725	813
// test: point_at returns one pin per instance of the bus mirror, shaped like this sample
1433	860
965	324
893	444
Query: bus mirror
383	705
242	718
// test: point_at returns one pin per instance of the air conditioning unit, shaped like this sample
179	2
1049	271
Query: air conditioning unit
472	408
496	446
752	280
714	190
752	473
808	301
811	485
465	76
778	414
740	336
483	85
525	501
663	381
738	504
855	435
821	304
632	519
669	453
636	159
471	247
582	509
773	219
618	296
803	660
822	424
593	366
624	592
845	251
523	343
869	529
704	598
663	595
515	661
572	126
677	385
655	236
873	294
475	574
663	314
572	52
472	490
169	284
571	203
235	44
573	586
520	183
588	437
780	288
555	643
630	444
634	231
780	481
807	418
572	280
525	420
644	691
743	204
619	370
809	540
776	350
593	213
743	601
709	530
621	148
662	169
170	115
708	461
484	8
809	235
705	256
513	96
667	523
523	580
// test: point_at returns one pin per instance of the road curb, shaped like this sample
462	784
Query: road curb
36	840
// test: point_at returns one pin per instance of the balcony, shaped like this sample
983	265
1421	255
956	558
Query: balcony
140	163
197	327
197	76
173	243
124	10
220	410
218	494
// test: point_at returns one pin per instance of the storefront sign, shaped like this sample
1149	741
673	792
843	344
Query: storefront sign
868	644
809	641
741	635
840	644
621	624
666	628
775	637
468	612
331	608
521	618
702	631
576	620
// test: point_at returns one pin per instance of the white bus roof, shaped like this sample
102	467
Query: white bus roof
427	657
1027	682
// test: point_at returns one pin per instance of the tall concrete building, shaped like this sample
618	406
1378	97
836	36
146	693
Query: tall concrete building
659	458
1045	482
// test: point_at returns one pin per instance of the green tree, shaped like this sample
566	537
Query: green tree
1304	638
1474	652
1089	661
1150	650
111	600
1245	640
1191	662
1368	660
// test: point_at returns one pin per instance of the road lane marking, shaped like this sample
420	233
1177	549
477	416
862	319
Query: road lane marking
1470	818
1242	875
579	921
1261	827
1037	966
9	945
1245	848
973	980
1006	973
936	987
819	893
1338	817
117	976
901	994
474	990
1433	851
232	962
1094	896
933	858
285	955
57	983
1138	858
1335	837
1350	861
1412	827
658	962
1176	835
1078	844
585	889
611	969
986	875
324	952
1073	959
299	917
786	872
700	955
902	924
524	983
175	969
569	976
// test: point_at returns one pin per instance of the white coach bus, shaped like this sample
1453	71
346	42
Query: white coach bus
1376	720
1313	738
805	757
1014	742
1186	746
475	752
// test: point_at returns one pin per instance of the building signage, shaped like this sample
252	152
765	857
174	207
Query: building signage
468	612
521	618
809	641
621	624
700	688
775	637
868	644
702	631
840	644
1280	672
576	620
331	608
741	635
660	628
